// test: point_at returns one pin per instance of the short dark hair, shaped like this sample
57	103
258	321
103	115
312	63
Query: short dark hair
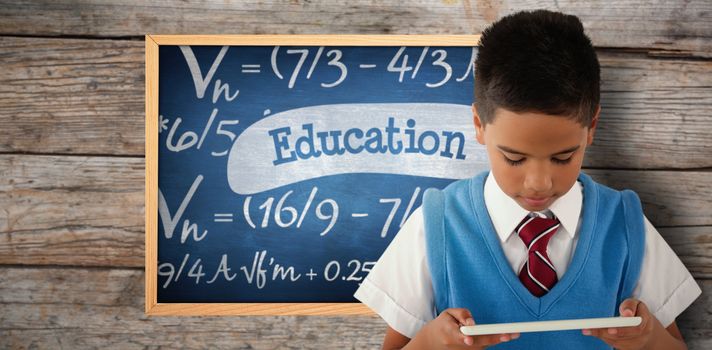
537	61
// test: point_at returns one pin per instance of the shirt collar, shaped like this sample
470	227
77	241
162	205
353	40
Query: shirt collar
506	213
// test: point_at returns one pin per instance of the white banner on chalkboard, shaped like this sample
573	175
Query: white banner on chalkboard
419	139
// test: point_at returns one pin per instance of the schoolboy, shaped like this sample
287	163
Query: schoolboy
533	238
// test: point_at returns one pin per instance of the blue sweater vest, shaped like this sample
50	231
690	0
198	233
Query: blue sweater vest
469	269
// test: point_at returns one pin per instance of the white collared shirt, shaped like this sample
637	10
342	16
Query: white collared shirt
399	287
506	214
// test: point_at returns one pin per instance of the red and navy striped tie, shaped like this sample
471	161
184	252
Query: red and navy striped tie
538	273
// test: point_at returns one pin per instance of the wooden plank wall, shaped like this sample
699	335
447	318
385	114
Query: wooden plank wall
72	143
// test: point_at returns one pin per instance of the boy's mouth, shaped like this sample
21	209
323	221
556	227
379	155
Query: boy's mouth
536	202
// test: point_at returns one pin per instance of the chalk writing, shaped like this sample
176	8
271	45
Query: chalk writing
285	171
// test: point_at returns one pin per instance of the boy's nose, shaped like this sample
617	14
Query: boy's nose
539	182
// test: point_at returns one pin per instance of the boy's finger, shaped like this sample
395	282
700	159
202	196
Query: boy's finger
640	310
491	339
624	332
595	332
629	304
461	316
617	341
605	335
602	334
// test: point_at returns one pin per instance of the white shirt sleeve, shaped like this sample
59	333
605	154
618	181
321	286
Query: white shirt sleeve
399	288
665	285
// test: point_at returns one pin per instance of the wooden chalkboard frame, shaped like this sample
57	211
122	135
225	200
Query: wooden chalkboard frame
152	307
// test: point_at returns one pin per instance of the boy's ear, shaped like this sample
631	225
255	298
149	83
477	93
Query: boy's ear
592	127
479	127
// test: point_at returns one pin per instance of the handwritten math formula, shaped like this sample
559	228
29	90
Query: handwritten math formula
285	172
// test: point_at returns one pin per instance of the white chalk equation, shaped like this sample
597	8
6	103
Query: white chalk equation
310	59
189	138
282	212
262	269
284	215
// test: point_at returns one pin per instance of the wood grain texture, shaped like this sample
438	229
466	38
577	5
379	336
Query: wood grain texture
694	247
677	28
86	97
72	210
655	113
151	174
88	308
99	308
670	198
257	309
317	40
58	94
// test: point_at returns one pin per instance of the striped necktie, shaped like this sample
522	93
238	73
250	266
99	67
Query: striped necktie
538	273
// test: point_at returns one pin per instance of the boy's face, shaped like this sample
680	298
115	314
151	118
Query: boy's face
535	158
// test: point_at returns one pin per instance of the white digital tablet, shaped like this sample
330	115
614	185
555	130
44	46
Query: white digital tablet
546	326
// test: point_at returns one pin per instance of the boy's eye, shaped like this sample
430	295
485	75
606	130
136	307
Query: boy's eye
562	161
516	162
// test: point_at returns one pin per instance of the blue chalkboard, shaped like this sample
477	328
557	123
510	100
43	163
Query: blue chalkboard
284	171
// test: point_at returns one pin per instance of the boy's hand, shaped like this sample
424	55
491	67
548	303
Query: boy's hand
444	332
629	338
